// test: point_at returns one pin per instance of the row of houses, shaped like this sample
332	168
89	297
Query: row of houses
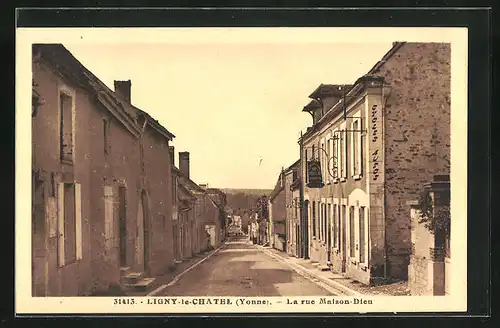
373	148
109	207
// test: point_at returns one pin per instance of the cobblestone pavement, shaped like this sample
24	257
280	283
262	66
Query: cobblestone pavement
240	269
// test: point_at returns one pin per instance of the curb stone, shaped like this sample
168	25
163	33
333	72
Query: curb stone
178	277
344	289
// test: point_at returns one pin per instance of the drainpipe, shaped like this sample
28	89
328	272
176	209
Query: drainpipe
304	229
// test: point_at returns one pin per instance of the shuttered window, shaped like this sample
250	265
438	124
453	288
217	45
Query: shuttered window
109	220
69	223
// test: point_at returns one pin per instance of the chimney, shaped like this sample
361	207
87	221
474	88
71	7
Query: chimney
171	151
122	88
184	163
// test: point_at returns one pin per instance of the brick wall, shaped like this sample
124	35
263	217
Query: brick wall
417	136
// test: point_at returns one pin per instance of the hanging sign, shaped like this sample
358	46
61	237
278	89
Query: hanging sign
314	177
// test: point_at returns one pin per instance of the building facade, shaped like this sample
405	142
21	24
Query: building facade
378	142
292	205
94	187
277	215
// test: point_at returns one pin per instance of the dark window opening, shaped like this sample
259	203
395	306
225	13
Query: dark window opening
66	128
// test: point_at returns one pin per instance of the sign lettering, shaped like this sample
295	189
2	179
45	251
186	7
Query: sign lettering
375	155
315	179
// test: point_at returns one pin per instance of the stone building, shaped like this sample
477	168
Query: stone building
378	141
97	193
277	215
192	207
292	204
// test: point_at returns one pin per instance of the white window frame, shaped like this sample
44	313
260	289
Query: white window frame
67	90
321	154
78	223
365	245
356	172
336	218
328	158
344	152
336	151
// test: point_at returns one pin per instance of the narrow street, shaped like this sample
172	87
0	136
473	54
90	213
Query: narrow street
240	269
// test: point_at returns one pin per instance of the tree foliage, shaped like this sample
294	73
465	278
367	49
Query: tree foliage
433	219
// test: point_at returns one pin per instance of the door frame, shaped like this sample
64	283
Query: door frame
146	230
122	225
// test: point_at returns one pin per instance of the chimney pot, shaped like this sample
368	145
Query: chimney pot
123	89
184	163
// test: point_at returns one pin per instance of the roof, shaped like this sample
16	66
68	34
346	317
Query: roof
185	194
325	90
157	126
67	66
312	105
295	184
277	190
293	166
186	182
357	86
395	47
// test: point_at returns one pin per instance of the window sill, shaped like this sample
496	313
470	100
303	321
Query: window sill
343	180
354	262
357	177
363	266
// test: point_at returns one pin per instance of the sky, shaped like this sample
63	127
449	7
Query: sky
236	108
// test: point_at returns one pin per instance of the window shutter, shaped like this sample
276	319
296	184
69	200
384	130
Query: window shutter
346	157
353	155
60	224
108	217
78	221
361	137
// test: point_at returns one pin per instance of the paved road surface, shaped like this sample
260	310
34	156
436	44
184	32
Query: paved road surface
240	269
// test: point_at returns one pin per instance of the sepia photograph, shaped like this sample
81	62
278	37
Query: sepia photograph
240	169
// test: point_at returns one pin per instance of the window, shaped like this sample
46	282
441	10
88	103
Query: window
313	155
314	219
356	147
346	154
351	232
174	190
105	125
325	221
329	226
336	151
331	154
344	217
362	257
343	154
69	223
66	127
335	226
323	160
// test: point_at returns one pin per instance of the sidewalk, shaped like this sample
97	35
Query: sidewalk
170	277
337	281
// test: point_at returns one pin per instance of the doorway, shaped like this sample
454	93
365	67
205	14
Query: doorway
175	233
329	233
39	231
306	229
122	222
146	223
343	239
